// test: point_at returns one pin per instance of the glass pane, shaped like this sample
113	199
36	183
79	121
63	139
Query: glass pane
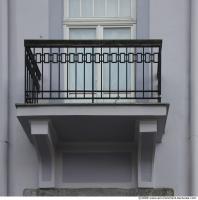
74	8
82	33
125	6
114	70
117	33
112	8
87	8
99	8
77	69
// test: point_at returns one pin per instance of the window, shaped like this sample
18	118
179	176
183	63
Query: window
100	19
99	14
100	9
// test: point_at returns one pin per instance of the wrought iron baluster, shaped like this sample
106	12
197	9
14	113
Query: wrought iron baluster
92	77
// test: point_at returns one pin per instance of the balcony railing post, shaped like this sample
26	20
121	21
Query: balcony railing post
25	79
159	74
92	74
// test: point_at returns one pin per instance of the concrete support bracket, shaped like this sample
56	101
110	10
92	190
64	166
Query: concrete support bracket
146	136
44	139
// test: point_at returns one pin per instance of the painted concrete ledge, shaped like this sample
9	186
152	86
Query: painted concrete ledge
99	192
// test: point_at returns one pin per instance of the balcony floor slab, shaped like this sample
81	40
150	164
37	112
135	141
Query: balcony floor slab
108	122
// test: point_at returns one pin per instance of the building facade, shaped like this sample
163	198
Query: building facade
115	111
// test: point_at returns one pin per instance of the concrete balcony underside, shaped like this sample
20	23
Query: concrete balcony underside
90	127
107	121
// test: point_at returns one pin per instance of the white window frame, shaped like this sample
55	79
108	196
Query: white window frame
132	17
99	23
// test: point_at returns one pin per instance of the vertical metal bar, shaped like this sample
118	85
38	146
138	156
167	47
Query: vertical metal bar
135	71
36	101
92	76
28	83
30	92
58	72
159	74
126	76
76	73
151	72
84	69
25	78
109	75
42	73
118	75
34	87
29	87
143	70
101	75
50	60
67	59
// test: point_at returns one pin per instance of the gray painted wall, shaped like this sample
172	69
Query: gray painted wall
142	31
24	16
143	19
169	20
55	19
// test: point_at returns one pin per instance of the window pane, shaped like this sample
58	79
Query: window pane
125	6
99	8
82	33
117	33
87	8
74	8
112	8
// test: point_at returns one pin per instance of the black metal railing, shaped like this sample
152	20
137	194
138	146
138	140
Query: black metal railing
92	70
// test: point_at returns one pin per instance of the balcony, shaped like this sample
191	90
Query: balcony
93	97
92	71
